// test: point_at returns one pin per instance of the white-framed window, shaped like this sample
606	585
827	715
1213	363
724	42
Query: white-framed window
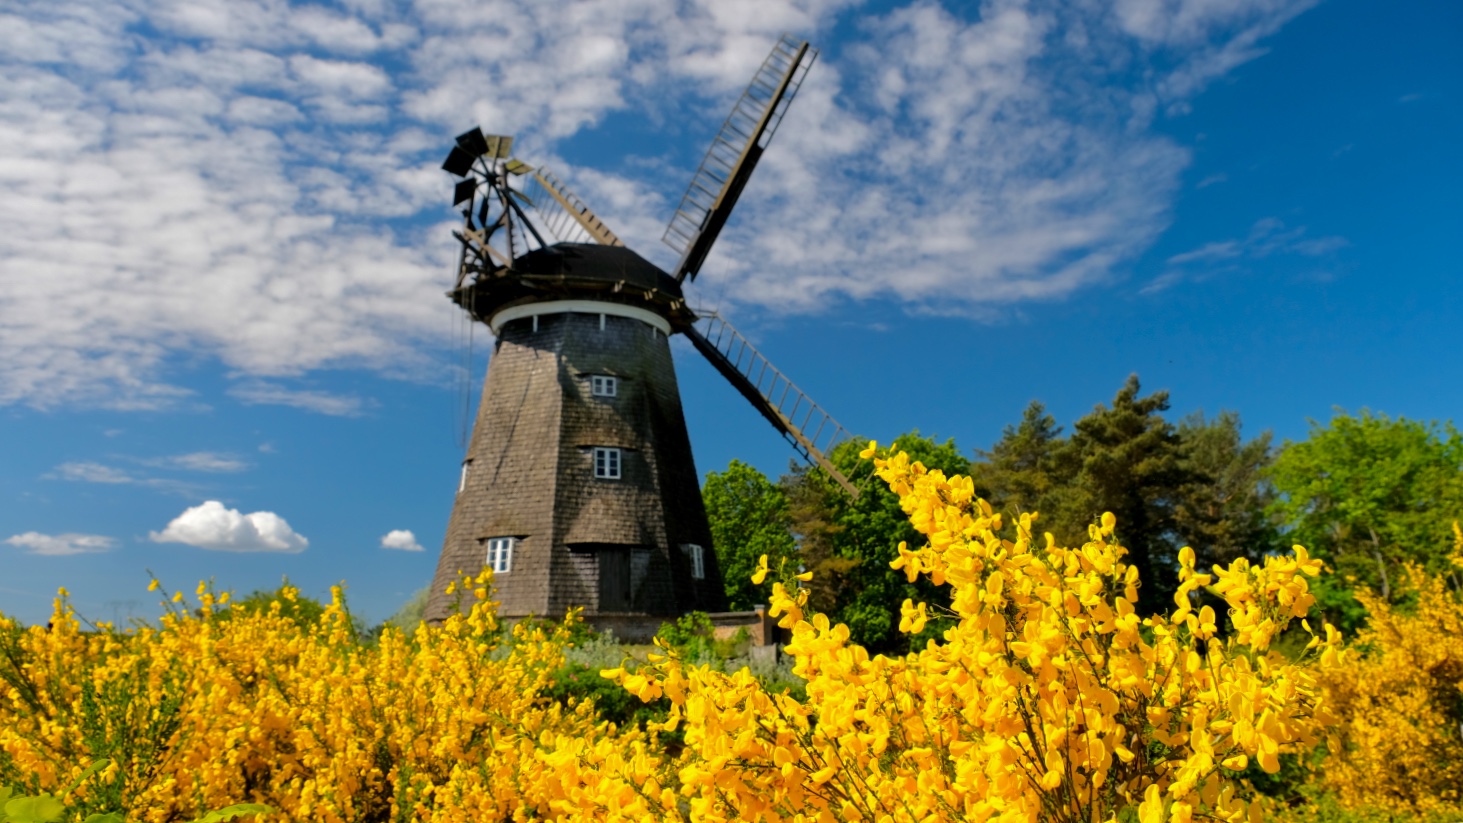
462	482
698	559
500	553
607	462
603	385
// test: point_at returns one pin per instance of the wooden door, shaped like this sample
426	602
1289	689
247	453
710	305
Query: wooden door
614	580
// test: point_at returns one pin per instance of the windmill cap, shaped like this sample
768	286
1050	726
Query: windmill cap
593	262
579	271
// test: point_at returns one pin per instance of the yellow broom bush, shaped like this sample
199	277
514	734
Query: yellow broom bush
1050	699
1401	702
202	712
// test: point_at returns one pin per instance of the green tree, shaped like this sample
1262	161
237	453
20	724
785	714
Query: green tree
1017	474
1198	483
749	517
406	618
848	544
412	612
1366	493
1124	458
815	503
1221	511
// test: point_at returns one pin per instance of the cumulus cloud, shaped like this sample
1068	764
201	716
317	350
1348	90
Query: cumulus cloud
256	180
214	527
401	539
62	544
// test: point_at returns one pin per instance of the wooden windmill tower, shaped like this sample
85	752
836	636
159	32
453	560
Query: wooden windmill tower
578	487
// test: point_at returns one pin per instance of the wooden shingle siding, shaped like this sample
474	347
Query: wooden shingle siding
610	546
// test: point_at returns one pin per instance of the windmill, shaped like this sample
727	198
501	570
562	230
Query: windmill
578	486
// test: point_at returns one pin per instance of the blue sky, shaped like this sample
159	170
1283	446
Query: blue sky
226	237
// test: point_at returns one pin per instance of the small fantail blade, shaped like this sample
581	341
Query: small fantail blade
464	190
459	162
473	142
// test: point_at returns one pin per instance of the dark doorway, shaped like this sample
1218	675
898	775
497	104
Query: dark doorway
614	580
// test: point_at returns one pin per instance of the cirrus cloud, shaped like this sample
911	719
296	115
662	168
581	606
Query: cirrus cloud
62	544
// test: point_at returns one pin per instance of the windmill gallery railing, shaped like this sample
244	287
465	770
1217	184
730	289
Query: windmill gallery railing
812	431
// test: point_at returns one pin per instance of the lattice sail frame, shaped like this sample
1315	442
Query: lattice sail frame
734	153
810	429
572	221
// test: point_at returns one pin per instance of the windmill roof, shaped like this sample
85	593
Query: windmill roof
577	271
588	261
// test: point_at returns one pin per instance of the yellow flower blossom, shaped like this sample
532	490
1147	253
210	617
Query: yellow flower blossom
761	573
1043	700
1399	746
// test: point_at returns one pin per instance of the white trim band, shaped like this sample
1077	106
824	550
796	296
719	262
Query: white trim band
578	307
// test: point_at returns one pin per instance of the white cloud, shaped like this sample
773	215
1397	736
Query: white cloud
262	393
256	180
351	79
212	462
1199	40
1222	250
62	544
402	540
1267	237
87	472
211	526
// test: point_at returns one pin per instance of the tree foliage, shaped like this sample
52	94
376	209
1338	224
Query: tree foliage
1369	494
749	517
848	544
1196	484
1019	472
1221	509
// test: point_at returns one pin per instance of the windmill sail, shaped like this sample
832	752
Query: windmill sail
734	153
812	431
571	221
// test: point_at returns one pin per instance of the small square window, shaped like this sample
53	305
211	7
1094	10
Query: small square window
603	385
698	560
500	554
606	463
